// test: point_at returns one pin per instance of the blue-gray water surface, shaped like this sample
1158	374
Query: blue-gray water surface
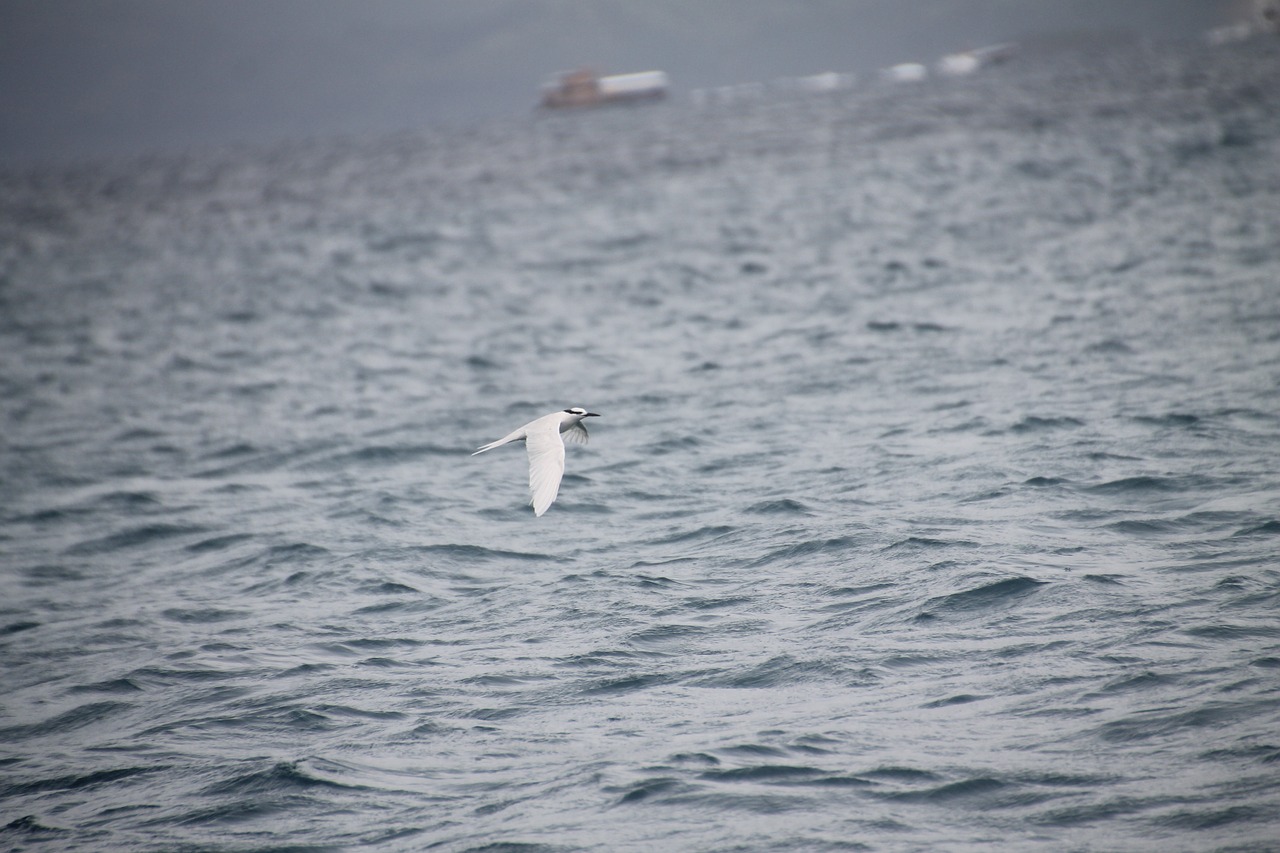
934	504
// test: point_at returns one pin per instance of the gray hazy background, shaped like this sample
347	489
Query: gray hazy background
82	78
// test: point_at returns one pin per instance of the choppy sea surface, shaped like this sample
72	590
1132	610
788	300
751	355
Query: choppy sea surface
934	505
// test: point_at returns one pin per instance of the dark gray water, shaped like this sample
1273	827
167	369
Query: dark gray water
934	505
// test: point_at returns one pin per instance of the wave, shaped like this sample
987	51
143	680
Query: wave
782	506
1267	528
112	685
1140	485
68	721
649	788
478	553
31	825
1045	482
202	615
218	543
976	787
898	326
787	553
763	773
925	543
1034	424
1004	591
786	670
134	537
613	685
1177	420
281	777
78	781
1162	722
711	531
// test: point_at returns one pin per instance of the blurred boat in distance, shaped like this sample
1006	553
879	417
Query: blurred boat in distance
905	72
585	88
969	61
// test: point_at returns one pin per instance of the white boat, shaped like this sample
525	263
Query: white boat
905	72
585	88
969	61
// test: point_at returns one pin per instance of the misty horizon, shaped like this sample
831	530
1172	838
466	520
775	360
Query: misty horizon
85	79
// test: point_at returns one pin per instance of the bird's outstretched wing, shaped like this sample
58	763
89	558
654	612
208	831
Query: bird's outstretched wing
546	464
576	433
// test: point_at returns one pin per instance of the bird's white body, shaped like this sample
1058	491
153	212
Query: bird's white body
544	439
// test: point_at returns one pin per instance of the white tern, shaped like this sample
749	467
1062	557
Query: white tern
542	438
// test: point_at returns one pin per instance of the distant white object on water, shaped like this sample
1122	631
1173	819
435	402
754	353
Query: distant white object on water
542	438
958	64
905	72
969	61
828	81
638	84
585	88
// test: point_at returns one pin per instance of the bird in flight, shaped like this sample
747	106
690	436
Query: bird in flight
543	439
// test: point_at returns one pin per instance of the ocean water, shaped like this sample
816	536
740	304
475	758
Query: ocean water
934	505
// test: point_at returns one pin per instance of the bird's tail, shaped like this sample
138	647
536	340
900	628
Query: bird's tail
515	436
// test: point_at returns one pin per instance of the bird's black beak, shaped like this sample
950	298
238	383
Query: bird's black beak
591	415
